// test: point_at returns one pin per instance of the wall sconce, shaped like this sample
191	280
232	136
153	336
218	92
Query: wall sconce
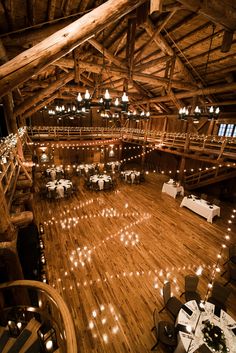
47	337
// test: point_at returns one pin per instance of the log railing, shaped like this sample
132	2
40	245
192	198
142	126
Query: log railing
49	305
218	148
208	176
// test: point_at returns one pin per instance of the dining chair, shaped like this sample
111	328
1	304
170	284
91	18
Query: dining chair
165	333
219	295
232	253
171	303
232	272
191	293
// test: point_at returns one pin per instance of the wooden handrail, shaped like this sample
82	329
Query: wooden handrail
71	343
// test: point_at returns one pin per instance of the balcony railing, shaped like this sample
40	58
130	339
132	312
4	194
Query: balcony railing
47	304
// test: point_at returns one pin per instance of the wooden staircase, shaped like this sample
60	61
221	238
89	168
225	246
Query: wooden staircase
26	342
209	176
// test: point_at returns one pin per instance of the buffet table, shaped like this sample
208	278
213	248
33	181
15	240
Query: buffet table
172	189
200	327
201	207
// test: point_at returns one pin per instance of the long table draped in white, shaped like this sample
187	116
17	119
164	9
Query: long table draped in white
172	189
201	207
193	328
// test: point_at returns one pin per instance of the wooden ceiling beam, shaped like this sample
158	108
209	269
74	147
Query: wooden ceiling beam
30	62
156	32
41	105
167	50
151	79
217	11
198	92
30	102
152	63
106	53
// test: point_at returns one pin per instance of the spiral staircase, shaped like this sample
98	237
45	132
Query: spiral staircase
34	319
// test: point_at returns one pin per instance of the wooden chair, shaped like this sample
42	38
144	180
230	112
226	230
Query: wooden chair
165	333
232	273
171	303
191	283
219	295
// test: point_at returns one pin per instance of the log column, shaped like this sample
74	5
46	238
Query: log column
7	99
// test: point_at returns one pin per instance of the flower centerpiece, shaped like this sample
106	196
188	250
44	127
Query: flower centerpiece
214	337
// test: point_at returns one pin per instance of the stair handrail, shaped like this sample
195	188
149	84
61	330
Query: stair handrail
55	297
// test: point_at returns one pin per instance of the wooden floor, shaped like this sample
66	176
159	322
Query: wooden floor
109	253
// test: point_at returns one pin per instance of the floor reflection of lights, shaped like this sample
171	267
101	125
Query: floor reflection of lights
104	322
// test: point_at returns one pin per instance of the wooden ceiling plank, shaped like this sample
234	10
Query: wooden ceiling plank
9	13
152	63
165	47
151	79
28	103
217	11
106	53
30	62
51	9
156	32
198	92
41	105
31	12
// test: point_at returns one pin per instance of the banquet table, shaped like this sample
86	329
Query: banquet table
190	326
100	179
86	167
59	186
172	189
114	165
201	207
132	173
57	169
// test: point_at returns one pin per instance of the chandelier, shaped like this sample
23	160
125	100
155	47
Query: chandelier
104	103
211	113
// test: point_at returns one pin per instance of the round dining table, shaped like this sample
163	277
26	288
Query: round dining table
100	179
59	185
192	323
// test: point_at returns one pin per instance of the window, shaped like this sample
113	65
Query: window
221	131
228	130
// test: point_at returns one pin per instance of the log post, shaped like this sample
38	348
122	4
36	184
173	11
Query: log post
7	231
7	99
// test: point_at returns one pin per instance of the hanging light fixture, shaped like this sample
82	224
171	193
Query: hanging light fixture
212	113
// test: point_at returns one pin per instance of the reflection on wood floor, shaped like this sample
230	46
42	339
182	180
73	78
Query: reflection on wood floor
109	253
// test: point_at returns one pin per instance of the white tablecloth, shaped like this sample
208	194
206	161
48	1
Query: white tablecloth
201	207
100	179
132	173
172	189
59	186
57	169
190	342
86	167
